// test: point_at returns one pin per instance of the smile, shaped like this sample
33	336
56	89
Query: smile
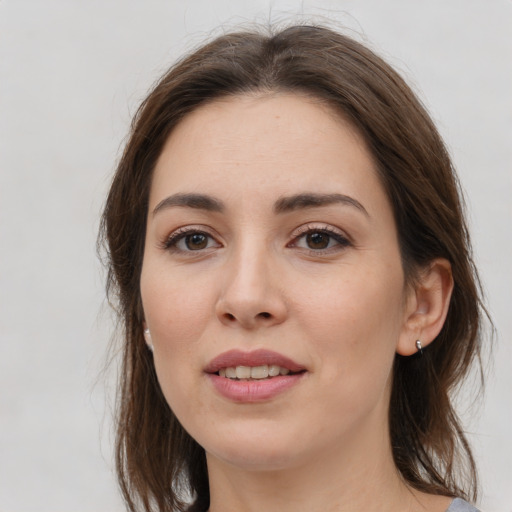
249	377
255	372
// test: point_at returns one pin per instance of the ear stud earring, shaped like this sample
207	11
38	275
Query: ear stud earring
419	347
147	337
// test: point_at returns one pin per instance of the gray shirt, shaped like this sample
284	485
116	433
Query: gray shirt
459	505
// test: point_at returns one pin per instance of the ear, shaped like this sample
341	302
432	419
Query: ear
426	306
147	336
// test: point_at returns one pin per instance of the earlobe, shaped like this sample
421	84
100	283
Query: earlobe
147	336
427	307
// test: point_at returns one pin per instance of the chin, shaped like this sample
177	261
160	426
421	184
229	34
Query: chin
256	449
255	458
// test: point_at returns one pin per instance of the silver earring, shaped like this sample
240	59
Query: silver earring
419	347
147	337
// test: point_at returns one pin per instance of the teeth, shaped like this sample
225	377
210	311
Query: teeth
259	372
243	372
273	370
253	372
231	373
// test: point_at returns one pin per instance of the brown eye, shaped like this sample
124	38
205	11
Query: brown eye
190	240
196	241
321	241
317	240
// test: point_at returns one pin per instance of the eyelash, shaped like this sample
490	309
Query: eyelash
341	240
172	241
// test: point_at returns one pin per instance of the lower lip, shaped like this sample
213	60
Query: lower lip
250	391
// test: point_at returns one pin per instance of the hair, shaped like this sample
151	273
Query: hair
158	463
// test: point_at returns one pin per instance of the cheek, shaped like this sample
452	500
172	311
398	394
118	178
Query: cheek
176	320
356	299
355	322
175	308
177	312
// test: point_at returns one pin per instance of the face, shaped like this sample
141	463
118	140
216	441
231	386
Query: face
272	282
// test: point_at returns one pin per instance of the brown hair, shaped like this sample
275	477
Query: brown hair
157	461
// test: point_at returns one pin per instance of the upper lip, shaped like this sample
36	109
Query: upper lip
233	358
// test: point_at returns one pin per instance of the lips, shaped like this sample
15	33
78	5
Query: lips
253	376
235	358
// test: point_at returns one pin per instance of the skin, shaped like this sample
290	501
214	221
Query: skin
342	312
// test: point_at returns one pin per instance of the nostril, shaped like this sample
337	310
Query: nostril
233	319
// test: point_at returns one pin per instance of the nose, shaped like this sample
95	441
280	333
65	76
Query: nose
252	292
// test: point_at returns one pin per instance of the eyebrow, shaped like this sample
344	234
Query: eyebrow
282	205
197	201
310	200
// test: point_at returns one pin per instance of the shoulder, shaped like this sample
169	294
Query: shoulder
459	505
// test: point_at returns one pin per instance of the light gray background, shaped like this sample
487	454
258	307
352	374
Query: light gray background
71	75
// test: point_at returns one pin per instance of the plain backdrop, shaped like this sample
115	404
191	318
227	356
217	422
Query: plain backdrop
72	74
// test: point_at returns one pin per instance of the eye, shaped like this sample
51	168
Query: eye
190	240
194	242
320	239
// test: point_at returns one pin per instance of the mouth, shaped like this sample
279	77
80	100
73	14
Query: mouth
258	364
256	376
263	372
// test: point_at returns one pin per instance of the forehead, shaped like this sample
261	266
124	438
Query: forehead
274	145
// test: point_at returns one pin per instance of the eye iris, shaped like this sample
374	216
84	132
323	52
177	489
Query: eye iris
317	240
196	241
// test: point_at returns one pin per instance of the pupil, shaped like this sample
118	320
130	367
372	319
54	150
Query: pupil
196	241
317	240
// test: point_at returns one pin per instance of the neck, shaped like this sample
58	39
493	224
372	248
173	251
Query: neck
347	480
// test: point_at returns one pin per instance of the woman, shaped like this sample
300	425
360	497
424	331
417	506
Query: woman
295	281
